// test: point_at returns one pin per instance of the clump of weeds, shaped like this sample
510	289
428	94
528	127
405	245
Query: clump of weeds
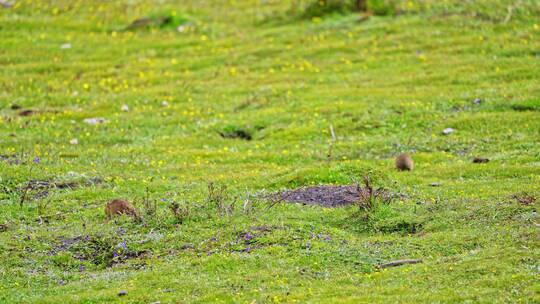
379	211
220	198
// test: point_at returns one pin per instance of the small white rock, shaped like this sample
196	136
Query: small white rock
74	141
125	108
6	3
95	121
447	131
65	46
164	103
181	28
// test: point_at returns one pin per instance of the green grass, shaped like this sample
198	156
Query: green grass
386	85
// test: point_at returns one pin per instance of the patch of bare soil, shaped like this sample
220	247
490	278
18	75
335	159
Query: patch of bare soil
524	198
332	196
328	196
42	187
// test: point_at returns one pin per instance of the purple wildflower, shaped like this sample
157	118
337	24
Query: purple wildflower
122	245
248	236
81	268
36	160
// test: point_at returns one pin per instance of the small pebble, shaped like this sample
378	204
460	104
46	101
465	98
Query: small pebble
73	141
122	293
447	131
125	108
164	103
95	121
65	46
6	4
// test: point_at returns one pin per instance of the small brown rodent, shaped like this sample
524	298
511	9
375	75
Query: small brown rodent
118	207
404	162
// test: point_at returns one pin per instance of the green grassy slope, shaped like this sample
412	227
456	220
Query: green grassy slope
387	85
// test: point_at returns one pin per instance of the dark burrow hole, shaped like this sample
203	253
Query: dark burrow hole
236	134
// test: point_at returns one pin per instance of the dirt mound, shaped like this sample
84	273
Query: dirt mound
42	188
328	196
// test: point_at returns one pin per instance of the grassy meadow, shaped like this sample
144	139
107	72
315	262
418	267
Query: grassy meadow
200	112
